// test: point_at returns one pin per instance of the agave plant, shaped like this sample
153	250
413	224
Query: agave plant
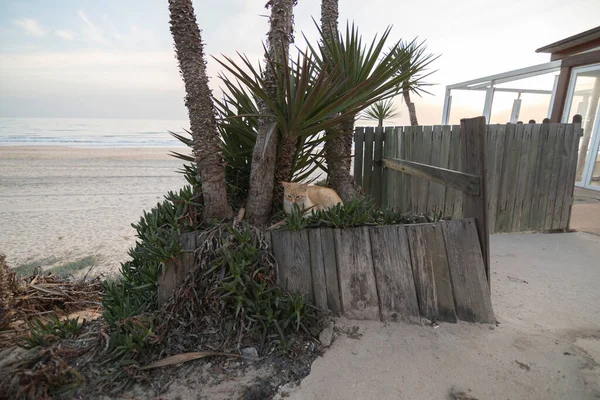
381	111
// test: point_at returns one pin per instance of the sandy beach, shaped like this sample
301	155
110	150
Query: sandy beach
59	204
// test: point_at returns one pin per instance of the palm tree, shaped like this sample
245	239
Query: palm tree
264	156
338	147
189	50
381	111
413	53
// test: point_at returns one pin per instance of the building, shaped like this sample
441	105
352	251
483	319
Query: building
575	64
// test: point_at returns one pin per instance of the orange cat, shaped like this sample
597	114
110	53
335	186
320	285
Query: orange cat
308	197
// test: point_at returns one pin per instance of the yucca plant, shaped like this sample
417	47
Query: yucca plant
382	110
377	74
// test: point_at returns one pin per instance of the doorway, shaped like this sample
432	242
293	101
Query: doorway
583	99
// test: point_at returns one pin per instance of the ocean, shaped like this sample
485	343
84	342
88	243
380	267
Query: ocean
90	132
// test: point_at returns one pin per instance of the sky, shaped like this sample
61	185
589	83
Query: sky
115	59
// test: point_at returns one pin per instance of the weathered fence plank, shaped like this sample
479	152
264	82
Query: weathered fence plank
377	168
430	269
470	287
359	141
425	158
521	185
526	214
506	191
393	273
435	198
387	187
368	160
355	271
331	272
176	270
291	249
554	173
571	176
465	182
495	162
473	132
317	269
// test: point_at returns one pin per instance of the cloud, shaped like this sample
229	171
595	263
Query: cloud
67	35
91	32
31	26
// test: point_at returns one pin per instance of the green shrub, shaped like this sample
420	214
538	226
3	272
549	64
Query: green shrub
43	332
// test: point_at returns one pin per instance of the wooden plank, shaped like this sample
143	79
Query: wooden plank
291	249
430	270
471	289
387	181
424	158
406	151
393	273
544	176
525	223
331	272
568	200
506	192
445	163
436	190
464	182
177	269
358	289
564	189
416	143
399	181
317	269
495	150
522	175
359	141
554	174
454	197
368	160
473	137
377	187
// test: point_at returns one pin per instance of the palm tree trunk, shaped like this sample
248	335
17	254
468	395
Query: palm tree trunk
207	151
264	156
338	151
412	112
338	154
285	159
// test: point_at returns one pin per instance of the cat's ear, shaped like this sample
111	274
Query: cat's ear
285	184
304	185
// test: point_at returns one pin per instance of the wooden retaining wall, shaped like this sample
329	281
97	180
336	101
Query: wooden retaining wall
530	172
399	272
389	273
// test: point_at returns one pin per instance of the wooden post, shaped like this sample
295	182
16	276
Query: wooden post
473	137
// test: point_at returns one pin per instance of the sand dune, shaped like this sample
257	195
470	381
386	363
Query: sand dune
66	203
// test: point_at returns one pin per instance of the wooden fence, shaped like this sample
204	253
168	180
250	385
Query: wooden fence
530	172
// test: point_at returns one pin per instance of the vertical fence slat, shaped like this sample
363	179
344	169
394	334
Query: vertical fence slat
529	188
425	156
406	149
359	140
377	168
445	157
386	173
543	177
568	200
436	191
368	160
495	159
555	172
523	167
398	177
456	198
563	178
506	190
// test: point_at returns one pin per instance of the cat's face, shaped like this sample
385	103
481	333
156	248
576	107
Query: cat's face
294	192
